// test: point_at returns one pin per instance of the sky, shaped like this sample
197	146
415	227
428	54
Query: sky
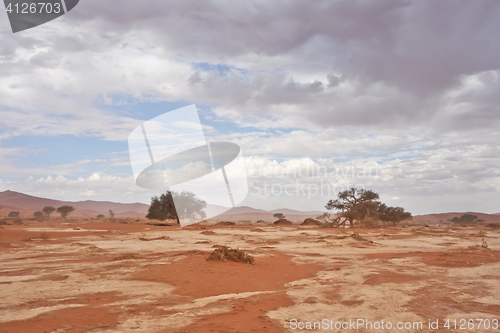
400	97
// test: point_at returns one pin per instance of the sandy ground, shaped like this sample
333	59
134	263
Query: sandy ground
128	276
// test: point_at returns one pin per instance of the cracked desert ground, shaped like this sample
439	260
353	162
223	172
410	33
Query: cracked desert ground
129	276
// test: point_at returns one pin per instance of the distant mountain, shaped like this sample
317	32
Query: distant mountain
488	218
28	204
249	213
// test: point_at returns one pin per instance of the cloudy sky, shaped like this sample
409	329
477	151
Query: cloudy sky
402	97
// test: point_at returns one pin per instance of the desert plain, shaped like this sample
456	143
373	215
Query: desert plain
128	275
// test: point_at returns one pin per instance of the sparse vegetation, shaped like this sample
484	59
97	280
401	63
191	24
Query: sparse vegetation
363	206
47	210
465	218
189	207
65	211
226	253
484	245
14	214
38	214
393	215
43	236
279	216
100	216
111	215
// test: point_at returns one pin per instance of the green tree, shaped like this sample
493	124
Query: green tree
464	218
14	214
468	217
279	216
100	216
353	205
393	215
111	214
47	210
188	207
38	215
65	210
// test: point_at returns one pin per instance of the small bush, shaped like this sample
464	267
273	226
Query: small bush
485	244
227	253
44	236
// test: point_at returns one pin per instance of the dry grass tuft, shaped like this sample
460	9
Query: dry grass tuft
44	236
484	245
359	237
227	253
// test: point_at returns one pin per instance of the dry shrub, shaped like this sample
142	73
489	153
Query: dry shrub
359	237
226	223
227	253
484	245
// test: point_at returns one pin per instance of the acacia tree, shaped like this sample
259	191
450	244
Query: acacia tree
363	205
353	204
279	216
14	214
188	207
47	210
464	218
468	217
393	215
65	210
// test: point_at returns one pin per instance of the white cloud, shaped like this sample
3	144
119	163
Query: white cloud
410	86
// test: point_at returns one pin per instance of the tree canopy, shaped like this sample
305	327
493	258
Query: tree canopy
188	207
465	218
353	204
47	210
279	216
363	206
14	214
65	211
393	215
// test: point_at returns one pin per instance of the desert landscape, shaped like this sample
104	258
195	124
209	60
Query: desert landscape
249	166
135	275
